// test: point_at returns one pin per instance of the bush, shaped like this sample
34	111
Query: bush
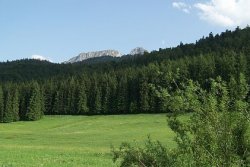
215	136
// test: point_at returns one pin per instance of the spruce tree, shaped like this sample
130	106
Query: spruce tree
105	96
71	97
122	96
98	101
113	94
56	107
24	96
35	104
8	115
144	97
15	105
82	107
1	104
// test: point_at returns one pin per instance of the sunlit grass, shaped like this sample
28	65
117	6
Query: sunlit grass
77	140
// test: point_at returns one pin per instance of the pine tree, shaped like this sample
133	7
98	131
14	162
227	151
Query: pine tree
1	104
24	96
106	93
71	97
49	92
113	94
56	107
122	96
8	115
98	101
15	105
35	104
82	107
144	97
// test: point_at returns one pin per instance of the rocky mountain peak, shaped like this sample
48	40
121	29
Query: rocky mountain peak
84	56
112	53
138	51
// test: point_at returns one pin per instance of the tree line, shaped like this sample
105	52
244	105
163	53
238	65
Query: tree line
237	41
29	88
127	91
24	102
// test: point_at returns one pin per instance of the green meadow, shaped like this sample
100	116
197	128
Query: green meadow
67	141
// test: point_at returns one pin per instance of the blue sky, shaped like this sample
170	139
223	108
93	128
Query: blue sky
61	29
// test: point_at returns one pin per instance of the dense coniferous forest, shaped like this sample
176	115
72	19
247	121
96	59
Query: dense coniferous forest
127	85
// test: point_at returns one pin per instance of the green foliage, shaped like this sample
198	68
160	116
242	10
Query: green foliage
15	105
122	96
97	103
216	134
1	104
35	110
8	115
82	101
152	155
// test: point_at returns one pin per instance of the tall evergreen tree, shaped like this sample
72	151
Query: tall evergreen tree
122	96
113	92
97	101
56	107
8	115
82	107
35	104
144	97
15	105
1	104
71	97
106	93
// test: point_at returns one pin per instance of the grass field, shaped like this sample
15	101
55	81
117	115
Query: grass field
67	141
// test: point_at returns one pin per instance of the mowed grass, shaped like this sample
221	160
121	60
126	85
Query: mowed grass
68	141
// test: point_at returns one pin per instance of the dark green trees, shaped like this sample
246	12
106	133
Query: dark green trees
130	84
144	97
10	104
35	105
15	105
71	97
21	102
82	101
1	104
122	96
57	103
8	115
95	99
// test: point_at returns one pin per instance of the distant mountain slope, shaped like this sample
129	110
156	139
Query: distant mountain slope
85	56
103	56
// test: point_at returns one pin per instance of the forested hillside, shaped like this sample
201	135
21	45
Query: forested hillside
31	88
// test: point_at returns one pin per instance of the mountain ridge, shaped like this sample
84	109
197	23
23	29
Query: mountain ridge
84	56
104	53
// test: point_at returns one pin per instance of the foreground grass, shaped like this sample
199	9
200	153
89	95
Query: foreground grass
77	140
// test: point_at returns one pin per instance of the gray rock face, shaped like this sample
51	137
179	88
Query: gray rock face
84	56
138	51
113	53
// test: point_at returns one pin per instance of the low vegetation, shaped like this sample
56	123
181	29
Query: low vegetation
62	141
216	135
